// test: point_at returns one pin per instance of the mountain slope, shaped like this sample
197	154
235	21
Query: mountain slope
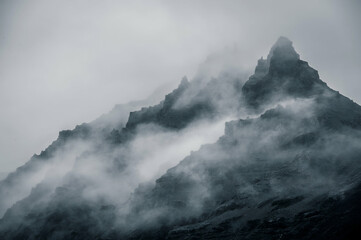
114	128
287	170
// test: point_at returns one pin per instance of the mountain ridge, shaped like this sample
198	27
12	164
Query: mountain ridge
272	175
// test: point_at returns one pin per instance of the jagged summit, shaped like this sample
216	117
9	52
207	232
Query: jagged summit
283	57
282	41
283	50
288	173
281	53
282	74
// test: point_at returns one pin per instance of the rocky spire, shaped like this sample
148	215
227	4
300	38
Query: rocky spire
283	50
282	74
282	53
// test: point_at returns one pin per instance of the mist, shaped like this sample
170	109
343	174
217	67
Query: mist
228	143
64	62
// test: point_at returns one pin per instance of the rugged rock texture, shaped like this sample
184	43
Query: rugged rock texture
289	171
282	75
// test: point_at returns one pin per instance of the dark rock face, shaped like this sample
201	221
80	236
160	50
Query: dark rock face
282	75
291	172
265	190
159	112
195	103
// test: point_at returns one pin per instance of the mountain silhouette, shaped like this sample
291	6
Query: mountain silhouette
287	166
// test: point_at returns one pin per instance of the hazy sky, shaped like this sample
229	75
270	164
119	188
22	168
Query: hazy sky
64	62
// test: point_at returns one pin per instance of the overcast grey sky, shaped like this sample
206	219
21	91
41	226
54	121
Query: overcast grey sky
64	62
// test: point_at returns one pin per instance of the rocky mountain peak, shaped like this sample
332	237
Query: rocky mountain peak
287	169
281	56
283	50
283	74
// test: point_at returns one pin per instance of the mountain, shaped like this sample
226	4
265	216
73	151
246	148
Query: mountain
3	175
286	167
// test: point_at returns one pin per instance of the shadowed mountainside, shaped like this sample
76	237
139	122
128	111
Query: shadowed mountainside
289	169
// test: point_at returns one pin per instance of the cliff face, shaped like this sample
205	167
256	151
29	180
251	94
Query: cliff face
282	75
290	170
